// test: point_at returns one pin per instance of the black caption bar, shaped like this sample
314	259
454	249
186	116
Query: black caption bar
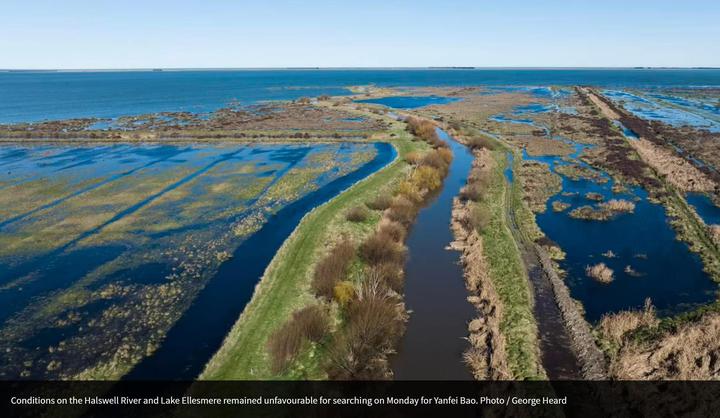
339	399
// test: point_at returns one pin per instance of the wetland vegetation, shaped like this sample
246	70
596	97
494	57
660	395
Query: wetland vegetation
303	239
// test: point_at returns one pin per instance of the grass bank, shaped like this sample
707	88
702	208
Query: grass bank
285	286
502	209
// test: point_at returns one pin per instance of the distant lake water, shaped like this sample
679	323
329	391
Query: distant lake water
35	95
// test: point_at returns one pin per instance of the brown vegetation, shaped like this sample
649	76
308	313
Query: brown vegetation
381	202
600	272
307	324
618	205
332	268
357	214
375	322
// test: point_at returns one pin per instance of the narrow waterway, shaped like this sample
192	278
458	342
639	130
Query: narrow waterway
198	334
433	345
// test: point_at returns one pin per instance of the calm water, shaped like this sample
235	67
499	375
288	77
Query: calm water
409	102
34	96
103	228
435	292
648	260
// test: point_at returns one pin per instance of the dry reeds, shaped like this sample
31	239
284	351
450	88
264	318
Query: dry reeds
618	205
600	272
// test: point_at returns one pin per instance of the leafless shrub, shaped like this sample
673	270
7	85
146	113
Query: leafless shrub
435	160
392	229
309	323
332	268
402	210
413	158
381	248
374	324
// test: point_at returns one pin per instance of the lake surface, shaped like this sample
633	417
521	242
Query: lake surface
434	341
107	251
33	96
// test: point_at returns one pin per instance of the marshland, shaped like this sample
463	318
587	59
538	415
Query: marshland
488	224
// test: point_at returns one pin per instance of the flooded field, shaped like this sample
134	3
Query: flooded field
104	248
639	246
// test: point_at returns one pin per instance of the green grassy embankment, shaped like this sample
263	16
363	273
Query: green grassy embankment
285	286
507	270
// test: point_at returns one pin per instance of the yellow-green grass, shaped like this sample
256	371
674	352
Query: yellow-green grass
285	285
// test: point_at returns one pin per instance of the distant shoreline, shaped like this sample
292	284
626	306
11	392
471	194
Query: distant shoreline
431	68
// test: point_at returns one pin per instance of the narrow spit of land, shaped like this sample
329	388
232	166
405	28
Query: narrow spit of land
557	356
433	345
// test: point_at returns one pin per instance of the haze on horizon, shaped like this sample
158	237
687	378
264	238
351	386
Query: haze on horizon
102	34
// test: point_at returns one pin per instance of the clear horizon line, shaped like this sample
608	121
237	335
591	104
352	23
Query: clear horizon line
449	67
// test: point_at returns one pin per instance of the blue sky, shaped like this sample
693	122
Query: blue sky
266	33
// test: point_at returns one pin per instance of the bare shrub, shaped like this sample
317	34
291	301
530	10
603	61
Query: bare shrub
374	324
413	158
446	155
402	210
391	275
393	229
357	214
435	160
381	248
424	130
332	268
600	272
381	202
309	323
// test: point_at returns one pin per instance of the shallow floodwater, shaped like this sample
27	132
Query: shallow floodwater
113	250
433	345
409	102
705	208
647	260
664	107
